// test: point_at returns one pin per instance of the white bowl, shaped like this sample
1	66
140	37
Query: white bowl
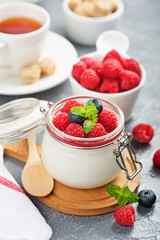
85	30
125	100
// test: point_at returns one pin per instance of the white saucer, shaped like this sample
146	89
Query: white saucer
61	51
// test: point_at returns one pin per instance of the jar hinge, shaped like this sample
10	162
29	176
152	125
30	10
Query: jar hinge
45	110
123	143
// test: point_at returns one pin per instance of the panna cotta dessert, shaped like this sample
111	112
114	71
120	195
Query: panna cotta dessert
81	143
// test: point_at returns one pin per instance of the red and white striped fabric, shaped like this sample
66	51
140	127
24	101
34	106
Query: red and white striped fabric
19	218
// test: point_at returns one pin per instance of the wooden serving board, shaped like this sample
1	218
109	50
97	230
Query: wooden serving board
76	201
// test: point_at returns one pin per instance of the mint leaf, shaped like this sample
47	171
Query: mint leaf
80	111
124	196
114	190
91	113
88	125
134	198
130	196
122	201
91	110
88	104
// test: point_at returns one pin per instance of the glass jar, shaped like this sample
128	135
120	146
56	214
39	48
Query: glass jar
76	162
86	162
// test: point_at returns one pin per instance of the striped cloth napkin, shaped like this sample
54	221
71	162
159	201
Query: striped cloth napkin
19	218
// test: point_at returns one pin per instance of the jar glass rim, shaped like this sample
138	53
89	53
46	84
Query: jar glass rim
108	137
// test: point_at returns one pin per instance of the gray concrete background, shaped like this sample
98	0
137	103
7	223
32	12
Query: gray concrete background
141	24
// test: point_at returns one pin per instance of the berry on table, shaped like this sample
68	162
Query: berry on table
129	80
97	131
156	159
108	119
69	104
132	65
109	85
143	133
113	54
98	104
60	121
147	198
125	215
111	68
75	118
75	130
89	79
78	69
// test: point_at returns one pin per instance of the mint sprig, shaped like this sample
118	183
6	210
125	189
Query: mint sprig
80	111
124	196
88	125
88	111
91	110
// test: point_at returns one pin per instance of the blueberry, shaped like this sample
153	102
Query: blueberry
75	118
147	198
98	104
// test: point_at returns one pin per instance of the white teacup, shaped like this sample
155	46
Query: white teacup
18	50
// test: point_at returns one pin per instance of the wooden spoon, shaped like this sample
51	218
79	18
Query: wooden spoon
35	178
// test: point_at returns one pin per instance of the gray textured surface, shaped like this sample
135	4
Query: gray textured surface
141	24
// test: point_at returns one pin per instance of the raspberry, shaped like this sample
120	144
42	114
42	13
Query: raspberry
125	215
108	119
113	54
75	130
88	61
111	68
78	69
109	85
90	79
132	65
129	80
69	104
96	67
60	121
143	133
156	159
97	131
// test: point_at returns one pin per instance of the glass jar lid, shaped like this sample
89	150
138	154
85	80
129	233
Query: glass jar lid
21	118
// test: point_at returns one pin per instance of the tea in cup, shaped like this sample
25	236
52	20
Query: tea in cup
19	25
23	29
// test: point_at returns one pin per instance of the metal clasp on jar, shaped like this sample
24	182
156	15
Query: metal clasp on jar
45	110
123	142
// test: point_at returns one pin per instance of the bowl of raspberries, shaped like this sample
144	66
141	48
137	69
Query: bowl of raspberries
111	76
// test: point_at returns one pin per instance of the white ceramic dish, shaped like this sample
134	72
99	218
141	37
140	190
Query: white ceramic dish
85	30
63	54
125	100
